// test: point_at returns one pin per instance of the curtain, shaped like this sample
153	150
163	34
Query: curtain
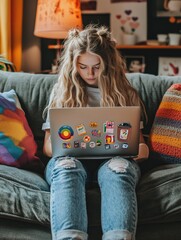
11	15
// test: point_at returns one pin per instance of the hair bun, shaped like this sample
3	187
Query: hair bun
73	33
103	31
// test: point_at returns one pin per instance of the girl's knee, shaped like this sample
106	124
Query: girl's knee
124	166
115	165
64	165
69	164
119	166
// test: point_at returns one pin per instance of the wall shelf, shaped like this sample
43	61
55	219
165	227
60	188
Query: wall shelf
148	47
168	14
142	46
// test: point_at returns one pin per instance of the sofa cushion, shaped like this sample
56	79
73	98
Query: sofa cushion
151	89
24	195
165	137
17	145
158	195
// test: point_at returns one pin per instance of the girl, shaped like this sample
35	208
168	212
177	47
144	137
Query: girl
92	73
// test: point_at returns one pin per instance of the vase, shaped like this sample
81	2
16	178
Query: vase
128	39
174	38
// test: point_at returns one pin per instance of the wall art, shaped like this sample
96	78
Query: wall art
124	18
135	64
169	66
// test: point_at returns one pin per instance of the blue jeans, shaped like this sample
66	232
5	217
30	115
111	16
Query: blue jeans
117	179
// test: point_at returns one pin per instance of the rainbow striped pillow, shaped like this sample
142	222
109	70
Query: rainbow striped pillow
17	145
165	137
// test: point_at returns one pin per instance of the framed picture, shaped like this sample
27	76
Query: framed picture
169	66
115	1
135	64
88	5
96	18
166	8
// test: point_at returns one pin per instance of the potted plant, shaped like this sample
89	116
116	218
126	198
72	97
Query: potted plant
6	65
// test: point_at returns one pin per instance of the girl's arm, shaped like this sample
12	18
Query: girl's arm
143	149
47	147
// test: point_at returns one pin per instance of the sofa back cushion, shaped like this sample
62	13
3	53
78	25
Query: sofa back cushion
151	89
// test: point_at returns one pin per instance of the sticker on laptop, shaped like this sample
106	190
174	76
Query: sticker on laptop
66	133
110	139
83	145
93	124
76	144
108	127
107	146
81	129
92	144
98	143
86	139
66	145
96	133
116	145
123	131
125	145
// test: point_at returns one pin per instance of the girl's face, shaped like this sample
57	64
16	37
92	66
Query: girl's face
88	66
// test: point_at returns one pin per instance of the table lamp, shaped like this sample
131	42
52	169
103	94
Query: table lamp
54	18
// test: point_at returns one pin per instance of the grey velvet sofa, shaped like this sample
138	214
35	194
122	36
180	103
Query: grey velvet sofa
24	195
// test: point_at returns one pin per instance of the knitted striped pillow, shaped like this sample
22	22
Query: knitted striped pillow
165	136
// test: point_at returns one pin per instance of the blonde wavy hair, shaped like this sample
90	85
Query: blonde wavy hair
70	89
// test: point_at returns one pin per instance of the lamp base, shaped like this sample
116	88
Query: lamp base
58	48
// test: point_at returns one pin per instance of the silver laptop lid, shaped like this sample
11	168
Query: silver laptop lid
95	132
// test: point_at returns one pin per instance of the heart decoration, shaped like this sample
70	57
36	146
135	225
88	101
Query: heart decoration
134	25
123	21
134	18
128	23
118	16
128	12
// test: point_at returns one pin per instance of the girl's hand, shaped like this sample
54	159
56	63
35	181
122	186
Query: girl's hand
143	152
47	147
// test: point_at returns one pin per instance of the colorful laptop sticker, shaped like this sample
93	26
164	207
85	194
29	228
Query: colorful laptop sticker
109	127
93	124
123	131
66	145
81	129
96	133
66	133
110	139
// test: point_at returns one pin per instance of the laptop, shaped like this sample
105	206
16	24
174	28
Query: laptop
95	132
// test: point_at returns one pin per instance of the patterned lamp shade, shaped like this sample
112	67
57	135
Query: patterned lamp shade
54	18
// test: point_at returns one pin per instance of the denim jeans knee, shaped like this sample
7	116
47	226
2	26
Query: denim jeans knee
67	178
117	179
62	163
